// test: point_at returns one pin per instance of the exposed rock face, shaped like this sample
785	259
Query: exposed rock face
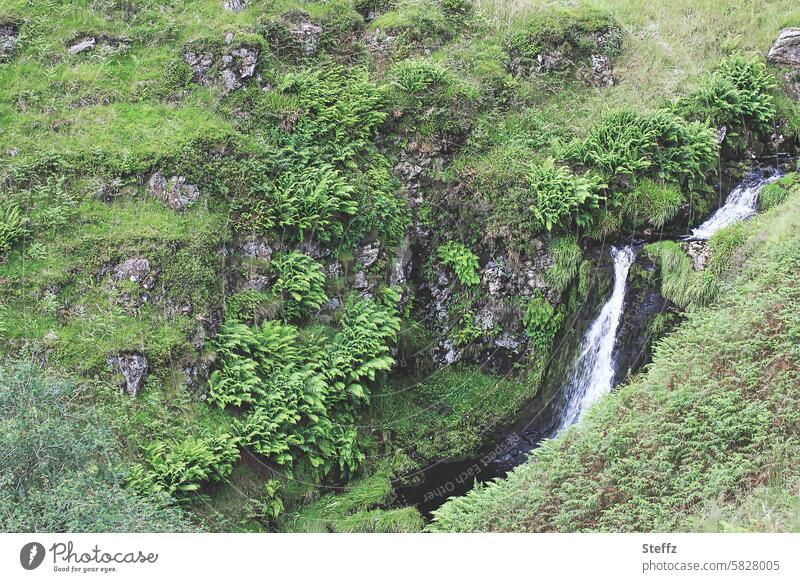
307	36
85	44
786	52
9	36
257	248
368	254
234	67
136	270
175	192
602	73
133	368
235	6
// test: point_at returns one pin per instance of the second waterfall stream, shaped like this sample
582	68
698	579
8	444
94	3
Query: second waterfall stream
592	373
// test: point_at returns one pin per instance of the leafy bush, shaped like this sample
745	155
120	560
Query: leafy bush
300	282
736	95
627	145
777	192
415	21
300	397
181	467
61	463
467	330
462	260
560	198
12	227
542	321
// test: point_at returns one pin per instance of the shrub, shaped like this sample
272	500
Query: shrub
467	330
181	467
300	283
416	22
680	283
627	145
60	461
559	197
736	95
462	260
542	321
12	227
777	192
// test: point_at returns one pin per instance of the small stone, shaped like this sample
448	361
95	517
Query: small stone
135	270
235	6
85	44
177	194
360	280
308	35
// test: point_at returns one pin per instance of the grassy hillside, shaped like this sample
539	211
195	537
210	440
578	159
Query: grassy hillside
705	439
293	254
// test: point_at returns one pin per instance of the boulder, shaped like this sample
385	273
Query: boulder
133	368
786	49
136	270
175	192
368	254
307	36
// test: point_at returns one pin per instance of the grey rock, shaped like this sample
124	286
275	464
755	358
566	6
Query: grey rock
333	269
492	277
133	368
308	36
331	305
175	192
786	49
135	270
700	253
9	36
257	248
360	280
235	6
602	71
257	283
82	45
368	254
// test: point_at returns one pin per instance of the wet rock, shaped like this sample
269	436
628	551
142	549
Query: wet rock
257	283
332	304
175	192
786	49
85	44
235	6
133	368
136	270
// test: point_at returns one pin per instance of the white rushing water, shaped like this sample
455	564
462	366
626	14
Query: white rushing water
592	373
740	204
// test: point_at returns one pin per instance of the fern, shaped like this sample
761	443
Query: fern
12	227
463	262
300	282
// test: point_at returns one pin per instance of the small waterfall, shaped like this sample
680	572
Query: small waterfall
592	373
741	204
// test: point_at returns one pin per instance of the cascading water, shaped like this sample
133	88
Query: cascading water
592	373
741	204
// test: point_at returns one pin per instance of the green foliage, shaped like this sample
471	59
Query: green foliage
567	256
651	202
627	145
182	467
777	192
736	95
467	330
462	260
60	461
300	282
415	21
542	321
300	396
12	227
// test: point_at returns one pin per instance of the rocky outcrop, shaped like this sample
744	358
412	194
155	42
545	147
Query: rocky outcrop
9	37
235	6
89	42
230	67
699	252
786	52
307	35
84	44
293	33
133	368
175	192
136	270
